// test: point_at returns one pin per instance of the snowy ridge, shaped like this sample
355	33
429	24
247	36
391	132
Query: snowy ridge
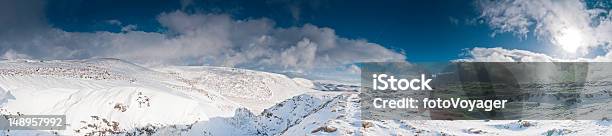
114	97
127	98
253	89
273	121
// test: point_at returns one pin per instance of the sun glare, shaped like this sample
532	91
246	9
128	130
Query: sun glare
570	39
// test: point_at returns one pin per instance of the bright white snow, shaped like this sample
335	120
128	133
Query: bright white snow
114	97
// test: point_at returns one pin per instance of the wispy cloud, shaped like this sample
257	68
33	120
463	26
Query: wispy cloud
114	22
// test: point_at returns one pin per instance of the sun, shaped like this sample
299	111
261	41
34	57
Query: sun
570	39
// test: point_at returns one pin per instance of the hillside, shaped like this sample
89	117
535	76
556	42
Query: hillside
115	97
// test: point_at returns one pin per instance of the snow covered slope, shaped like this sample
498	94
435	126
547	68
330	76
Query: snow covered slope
253	89
109	91
114	97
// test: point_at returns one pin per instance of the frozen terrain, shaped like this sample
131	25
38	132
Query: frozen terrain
114	97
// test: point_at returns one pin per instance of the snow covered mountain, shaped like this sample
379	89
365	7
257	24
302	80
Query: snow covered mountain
115	97
132	96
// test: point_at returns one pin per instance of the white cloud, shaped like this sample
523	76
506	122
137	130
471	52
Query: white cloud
569	24
499	54
198	39
258	43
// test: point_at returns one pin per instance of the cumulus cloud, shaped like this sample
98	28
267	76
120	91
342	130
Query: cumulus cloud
195	39
259	43
571	25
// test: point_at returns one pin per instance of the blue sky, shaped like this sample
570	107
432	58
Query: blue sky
426	30
307	37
